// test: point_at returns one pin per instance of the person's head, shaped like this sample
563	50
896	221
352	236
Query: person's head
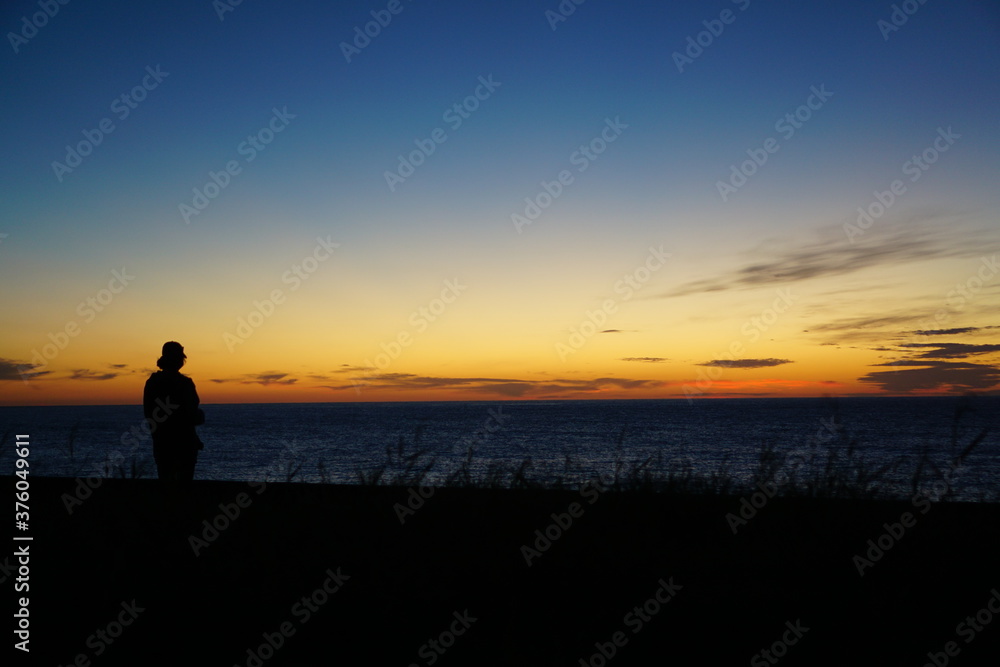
172	357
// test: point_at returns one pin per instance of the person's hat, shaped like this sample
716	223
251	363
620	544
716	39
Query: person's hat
173	349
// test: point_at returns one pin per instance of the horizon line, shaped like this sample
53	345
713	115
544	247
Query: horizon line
537	400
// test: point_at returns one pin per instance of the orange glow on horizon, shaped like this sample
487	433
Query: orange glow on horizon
129	392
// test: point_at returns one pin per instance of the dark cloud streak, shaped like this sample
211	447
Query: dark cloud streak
934	375
746	363
832	255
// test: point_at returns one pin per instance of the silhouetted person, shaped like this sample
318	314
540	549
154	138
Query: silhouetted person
170	405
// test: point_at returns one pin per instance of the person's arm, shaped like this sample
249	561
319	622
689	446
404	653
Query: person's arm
150	393
196	416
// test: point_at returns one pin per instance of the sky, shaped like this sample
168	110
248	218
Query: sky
418	200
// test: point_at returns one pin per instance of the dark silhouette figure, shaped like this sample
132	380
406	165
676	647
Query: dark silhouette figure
170	405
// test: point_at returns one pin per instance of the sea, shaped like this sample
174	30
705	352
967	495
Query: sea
882	442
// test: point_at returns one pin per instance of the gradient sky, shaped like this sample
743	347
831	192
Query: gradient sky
645	277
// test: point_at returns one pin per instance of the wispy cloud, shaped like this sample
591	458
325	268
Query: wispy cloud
934	376
265	378
746	363
509	387
951	350
943	332
9	370
933	365
831	255
87	374
867	322
645	360
347	368
887	326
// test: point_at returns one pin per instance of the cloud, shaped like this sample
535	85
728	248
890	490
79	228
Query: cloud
951	350
87	374
866	322
934	376
933	366
12	370
746	363
118	366
266	378
596	384
646	360
758	387
269	378
887	325
943	332
833	255
510	387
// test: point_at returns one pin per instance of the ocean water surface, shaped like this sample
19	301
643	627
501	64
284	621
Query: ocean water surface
567	440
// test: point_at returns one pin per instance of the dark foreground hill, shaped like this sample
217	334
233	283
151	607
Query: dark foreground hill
326	575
